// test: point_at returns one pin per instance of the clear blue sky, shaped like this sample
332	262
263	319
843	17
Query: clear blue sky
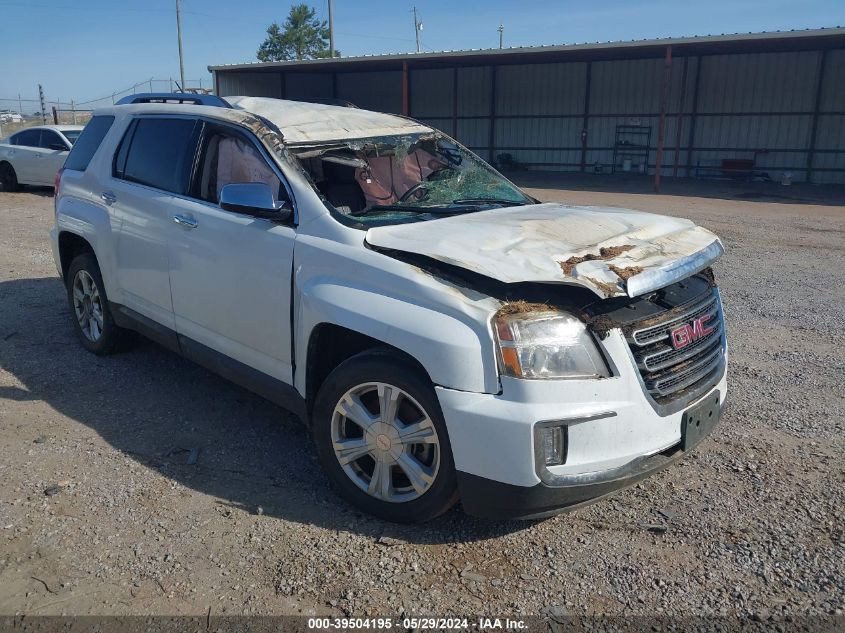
83	49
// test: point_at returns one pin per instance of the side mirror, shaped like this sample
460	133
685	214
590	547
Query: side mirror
60	147
253	198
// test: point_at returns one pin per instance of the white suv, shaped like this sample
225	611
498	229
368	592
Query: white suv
444	335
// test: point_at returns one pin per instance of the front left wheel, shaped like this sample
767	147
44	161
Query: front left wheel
382	440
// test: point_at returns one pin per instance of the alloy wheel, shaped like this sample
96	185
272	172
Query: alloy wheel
385	442
88	306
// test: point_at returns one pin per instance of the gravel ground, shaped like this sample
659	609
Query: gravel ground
752	523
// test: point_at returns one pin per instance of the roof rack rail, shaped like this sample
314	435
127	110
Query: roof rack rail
175	97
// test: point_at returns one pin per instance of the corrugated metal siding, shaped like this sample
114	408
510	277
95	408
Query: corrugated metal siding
432	92
372	90
760	82
250	84
764	83
631	86
475	134
474	91
534	108
308	86
833	89
541	89
830	133
754	132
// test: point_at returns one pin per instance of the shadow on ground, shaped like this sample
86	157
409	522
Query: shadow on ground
798	193
159	409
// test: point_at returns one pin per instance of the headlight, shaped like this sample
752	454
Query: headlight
544	345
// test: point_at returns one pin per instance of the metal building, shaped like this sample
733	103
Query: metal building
754	105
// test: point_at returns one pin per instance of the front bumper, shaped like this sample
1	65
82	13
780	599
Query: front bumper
492	499
615	438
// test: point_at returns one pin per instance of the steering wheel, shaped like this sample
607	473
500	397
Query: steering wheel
419	192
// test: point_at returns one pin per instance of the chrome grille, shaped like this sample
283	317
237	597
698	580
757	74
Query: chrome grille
668	372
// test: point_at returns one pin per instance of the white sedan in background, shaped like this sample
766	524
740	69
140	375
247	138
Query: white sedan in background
34	155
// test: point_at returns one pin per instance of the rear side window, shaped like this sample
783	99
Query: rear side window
86	146
158	152
51	140
27	138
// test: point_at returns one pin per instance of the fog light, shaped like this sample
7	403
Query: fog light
553	444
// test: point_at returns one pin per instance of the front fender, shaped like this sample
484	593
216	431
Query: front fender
451	351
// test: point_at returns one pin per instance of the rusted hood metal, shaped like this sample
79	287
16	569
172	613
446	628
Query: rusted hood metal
614	252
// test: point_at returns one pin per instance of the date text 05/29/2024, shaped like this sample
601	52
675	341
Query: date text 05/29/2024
417	623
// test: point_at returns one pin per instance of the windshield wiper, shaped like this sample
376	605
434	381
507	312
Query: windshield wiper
501	201
388	207
433	210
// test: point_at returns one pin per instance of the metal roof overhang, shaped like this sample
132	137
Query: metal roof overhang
682	46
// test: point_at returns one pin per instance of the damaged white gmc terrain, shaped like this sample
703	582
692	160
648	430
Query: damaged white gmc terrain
445	335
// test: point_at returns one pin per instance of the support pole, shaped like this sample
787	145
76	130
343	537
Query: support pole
586	119
43	104
331	30
661	130
455	102
405	90
694	112
492	138
73	111
179	35
416	29
811	150
680	118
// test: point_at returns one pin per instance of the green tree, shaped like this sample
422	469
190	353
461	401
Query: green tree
302	36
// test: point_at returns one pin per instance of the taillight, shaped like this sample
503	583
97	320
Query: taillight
57	181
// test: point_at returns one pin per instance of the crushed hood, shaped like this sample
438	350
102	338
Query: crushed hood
613	252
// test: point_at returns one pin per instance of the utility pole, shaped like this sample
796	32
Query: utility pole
331	30
179	34
417	28
20	105
73	111
501	31
43	105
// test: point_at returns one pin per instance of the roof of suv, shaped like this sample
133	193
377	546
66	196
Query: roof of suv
300	122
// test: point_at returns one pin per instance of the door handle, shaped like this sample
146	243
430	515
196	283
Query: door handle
108	197
183	220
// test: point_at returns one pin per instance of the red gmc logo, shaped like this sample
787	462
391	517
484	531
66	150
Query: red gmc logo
690	332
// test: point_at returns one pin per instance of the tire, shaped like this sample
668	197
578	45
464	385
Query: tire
99	334
420	476
8	178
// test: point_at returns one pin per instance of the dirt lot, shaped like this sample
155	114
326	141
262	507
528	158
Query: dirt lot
750	524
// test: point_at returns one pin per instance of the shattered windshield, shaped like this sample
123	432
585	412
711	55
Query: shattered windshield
396	179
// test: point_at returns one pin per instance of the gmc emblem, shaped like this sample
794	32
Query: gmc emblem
690	332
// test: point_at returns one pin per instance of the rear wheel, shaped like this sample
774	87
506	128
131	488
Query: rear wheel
381	438
8	178
89	306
